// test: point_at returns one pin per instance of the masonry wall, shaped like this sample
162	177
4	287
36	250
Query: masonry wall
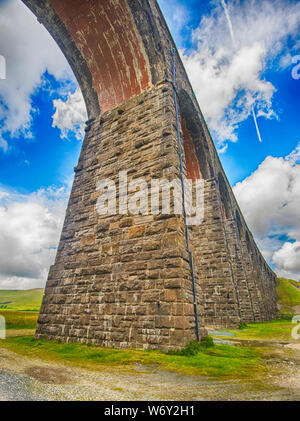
123	280
236	283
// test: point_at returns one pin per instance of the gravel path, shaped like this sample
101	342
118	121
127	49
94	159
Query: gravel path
15	387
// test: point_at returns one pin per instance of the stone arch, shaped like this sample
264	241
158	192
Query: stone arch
112	46
194	141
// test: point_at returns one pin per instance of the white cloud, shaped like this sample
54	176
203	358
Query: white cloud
29	51
270	202
70	115
30	227
287	260
229	79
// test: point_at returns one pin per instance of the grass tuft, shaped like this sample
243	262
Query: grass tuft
207	342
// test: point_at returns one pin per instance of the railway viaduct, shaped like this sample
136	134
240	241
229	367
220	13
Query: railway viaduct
132	280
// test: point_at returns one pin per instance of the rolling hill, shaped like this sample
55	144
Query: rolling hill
288	292
27	300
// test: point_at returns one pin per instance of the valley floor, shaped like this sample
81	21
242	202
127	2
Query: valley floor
26	378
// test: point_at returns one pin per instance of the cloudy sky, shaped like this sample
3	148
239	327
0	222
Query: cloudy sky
240	56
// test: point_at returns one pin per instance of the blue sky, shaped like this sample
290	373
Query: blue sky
43	159
42	116
280	135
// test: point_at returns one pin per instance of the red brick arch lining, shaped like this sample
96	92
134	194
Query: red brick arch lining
106	49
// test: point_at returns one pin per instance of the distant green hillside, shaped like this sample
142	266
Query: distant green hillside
288	292
27	300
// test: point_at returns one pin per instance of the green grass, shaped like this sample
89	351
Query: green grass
204	359
288	295
218	361
19	320
295	283
27	300
277	330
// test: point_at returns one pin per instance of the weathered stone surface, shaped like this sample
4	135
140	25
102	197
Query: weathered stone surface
125	280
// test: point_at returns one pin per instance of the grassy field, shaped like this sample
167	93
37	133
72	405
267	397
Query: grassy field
295	283
217	361
28	300
19	320
288	292
277	330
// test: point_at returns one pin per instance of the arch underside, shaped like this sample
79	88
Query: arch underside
112	49
194	141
